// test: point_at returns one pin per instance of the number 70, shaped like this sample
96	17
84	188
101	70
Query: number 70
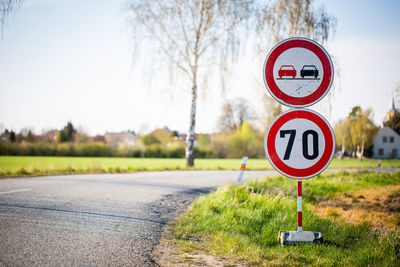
306	154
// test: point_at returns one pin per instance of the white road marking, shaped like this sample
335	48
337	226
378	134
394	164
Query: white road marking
16	191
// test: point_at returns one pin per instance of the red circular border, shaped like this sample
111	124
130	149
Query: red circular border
318	51
273	157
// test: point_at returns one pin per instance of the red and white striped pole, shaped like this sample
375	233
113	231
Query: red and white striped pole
299	207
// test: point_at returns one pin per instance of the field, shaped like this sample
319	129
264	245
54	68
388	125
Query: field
16	165
34	166
358	214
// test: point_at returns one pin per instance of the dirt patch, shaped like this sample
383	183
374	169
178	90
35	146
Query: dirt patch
168	254
379	206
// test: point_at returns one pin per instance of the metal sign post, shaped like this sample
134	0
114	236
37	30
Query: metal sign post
299	143
299	207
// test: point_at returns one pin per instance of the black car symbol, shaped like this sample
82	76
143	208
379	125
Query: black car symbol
309	70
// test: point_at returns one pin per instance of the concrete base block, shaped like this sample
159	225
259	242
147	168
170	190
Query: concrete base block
294	237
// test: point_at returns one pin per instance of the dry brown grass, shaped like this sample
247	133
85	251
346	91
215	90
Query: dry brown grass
379	206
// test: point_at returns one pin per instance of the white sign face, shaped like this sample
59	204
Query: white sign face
299	143
308	69
303	132
298	72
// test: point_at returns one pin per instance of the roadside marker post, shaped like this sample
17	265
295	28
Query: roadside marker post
299	143
242	169
379	165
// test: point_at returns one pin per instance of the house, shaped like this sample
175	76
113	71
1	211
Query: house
167	137
49	136
121	139
163	135
386	144
4	136
97	138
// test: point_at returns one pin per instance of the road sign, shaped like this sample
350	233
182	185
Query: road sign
298	72
299	143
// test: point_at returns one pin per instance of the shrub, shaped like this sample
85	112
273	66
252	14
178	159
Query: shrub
137	153
176	152
203	152
150	139
221	145
97	149
155	151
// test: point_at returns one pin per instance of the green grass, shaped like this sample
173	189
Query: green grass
366	163
324	186
31	165
28	165
242	223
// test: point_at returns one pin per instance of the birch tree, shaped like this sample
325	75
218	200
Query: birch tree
356	132
362	129
289	18
342	136
192	35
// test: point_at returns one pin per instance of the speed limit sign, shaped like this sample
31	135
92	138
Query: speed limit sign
299	143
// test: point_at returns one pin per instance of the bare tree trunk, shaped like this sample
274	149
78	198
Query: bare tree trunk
343	148
190	136
358	154
362	151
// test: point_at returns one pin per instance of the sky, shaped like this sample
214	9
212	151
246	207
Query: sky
74	60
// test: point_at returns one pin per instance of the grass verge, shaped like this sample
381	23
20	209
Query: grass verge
34	166
242	224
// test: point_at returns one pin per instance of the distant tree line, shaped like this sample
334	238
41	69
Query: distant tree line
237	136
92	150
159	144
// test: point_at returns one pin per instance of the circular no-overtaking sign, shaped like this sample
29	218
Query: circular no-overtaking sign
299	143
298	72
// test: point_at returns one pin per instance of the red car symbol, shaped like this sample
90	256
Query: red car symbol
287	70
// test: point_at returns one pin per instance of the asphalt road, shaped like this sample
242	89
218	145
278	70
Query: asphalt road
96	220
